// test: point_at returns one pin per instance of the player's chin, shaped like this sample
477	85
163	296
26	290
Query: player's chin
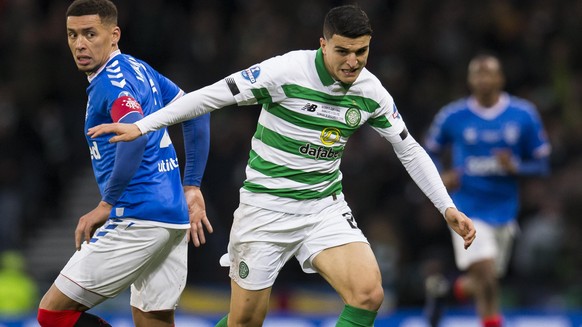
85	68
349	78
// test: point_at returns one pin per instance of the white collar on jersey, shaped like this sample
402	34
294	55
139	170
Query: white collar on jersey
113	54
492	112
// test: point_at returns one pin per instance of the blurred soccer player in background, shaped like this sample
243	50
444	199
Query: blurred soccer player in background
291	204
137	236
494	138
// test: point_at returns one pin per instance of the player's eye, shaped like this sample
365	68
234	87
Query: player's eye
361	52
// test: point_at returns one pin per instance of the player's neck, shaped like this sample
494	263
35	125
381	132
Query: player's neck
489	100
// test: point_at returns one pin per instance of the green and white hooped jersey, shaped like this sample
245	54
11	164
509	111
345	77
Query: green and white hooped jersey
306	119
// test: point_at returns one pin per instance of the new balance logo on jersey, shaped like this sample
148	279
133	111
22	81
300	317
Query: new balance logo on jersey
309	107
94	150
319	152
168	165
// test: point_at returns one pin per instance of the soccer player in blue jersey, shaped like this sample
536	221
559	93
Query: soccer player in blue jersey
291	203
494	138
137	236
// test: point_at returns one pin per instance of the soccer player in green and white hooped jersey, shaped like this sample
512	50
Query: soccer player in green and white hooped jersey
291	203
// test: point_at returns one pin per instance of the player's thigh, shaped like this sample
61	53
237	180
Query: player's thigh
338	250
152	319
55	300
333	227
248	307
261	242
160	284
352	270
115	258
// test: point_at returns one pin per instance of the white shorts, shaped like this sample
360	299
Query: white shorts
262	241
152	260
492	242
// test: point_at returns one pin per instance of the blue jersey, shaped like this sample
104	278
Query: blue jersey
155	191
474	134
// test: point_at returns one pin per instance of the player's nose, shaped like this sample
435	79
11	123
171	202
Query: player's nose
352	60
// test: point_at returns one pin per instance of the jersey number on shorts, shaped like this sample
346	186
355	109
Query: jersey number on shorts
350	219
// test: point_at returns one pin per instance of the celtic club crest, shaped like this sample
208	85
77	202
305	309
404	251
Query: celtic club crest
353	117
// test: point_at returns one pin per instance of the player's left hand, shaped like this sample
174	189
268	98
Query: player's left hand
461	224
89	223
197	213
125	132
506	161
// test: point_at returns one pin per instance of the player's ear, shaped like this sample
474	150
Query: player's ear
115	36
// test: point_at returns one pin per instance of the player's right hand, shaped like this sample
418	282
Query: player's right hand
125	132
451	179
197	214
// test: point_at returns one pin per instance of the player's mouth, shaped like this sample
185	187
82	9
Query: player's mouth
350	72
83	60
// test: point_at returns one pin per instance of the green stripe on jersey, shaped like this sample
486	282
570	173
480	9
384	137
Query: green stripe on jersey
335	188
309	122
304	149
379	122
277	171
346	101
262	95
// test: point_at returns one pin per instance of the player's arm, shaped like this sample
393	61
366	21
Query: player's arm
425	174
128	157
539	166
524	167
536	146
193	104
197	146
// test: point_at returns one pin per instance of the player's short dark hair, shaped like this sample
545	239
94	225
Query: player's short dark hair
106	10
487	55
348	20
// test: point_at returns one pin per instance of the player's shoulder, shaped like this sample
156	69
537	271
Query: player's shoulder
291	60
521	104
452	111
122	71
369	86
520	107
300	54
283	68
455	107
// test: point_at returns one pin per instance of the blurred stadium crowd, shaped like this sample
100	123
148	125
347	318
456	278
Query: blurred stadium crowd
420	50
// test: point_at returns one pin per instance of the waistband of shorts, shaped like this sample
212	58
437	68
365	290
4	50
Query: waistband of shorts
288	205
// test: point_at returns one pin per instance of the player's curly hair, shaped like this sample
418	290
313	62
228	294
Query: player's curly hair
348	20
106	10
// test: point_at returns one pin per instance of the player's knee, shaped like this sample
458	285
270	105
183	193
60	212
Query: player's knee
376	297
369	298
247	319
